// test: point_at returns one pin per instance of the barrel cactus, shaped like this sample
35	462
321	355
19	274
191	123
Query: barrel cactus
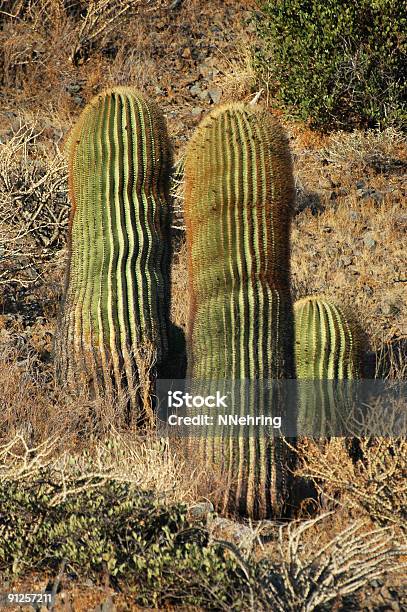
117	294
239	196
328	346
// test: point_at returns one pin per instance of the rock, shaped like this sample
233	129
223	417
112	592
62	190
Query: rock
353	215
369	241
389	308
215	94
195	90
204	95
207	71
377	196
325	183
240	535
200	511
73	88
186	53
360	184
196	111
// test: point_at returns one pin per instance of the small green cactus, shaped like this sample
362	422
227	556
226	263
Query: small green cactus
117	291
239	196
327	349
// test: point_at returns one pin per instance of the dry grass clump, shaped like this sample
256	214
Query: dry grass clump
313	571
146	463
375	484
33	202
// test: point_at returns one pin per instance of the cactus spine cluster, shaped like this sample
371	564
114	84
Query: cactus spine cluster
239	196
327	348
117	287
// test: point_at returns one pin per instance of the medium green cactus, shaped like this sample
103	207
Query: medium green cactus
327	349
239	196
117	291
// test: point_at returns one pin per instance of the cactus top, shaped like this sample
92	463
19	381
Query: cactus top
239	195
327	341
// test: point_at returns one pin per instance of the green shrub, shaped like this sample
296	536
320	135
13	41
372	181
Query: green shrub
336	63
112	529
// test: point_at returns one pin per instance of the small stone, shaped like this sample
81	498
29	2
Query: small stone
108	605
360	184
200	511
186	53
73	88
196	111
353	215
207	72
325	183
195	90
368	290
377	196
204	95
369	241
388	309
215	94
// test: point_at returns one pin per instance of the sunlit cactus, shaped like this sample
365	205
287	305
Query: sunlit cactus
116	304
239	196
327	349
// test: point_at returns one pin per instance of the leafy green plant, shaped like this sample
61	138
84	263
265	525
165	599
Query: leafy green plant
111	528
338	64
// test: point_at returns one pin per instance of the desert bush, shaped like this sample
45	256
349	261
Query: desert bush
339	64
71	514
376	483
33	203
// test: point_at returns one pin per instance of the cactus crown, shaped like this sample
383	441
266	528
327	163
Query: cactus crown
117	288
238	207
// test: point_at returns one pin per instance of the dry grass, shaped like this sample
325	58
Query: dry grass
374	485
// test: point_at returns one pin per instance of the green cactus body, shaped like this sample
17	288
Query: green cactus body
117	289
239	196
327	349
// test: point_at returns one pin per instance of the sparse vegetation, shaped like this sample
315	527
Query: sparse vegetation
60	458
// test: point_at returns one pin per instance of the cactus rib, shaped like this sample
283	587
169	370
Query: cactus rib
239	196
117	285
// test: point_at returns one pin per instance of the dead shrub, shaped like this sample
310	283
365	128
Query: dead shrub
375	484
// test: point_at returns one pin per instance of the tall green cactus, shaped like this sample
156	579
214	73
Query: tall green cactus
117	287
239	195
327	349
